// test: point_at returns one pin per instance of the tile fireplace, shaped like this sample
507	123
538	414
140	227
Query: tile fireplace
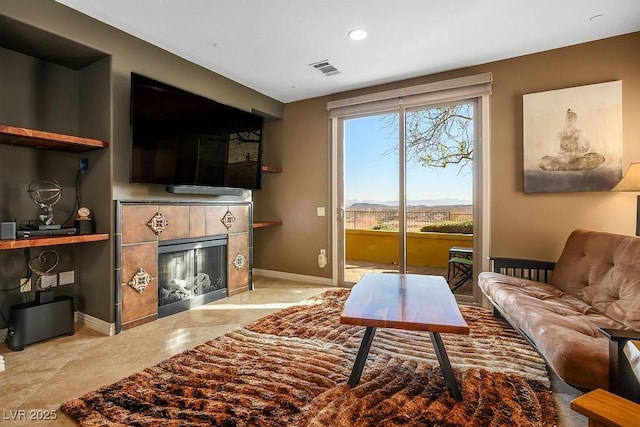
171	256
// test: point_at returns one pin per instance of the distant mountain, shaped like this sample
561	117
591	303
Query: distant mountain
376	204
359	206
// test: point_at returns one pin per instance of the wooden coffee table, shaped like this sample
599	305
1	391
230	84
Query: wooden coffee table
404	301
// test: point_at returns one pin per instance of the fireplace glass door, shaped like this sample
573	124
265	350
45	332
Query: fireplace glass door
191	274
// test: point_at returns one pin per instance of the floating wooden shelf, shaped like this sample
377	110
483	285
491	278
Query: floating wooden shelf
269	169
39	139
33	242
265	224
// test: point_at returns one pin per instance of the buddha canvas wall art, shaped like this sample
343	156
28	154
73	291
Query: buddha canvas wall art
572	139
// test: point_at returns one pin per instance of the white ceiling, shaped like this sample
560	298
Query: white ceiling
268	45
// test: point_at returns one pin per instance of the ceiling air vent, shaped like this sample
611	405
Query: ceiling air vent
325	68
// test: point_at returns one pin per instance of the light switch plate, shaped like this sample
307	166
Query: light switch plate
25	285
320	211
66	277
48	281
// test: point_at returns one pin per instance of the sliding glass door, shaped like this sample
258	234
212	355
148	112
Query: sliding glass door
371	195
405	191
439	146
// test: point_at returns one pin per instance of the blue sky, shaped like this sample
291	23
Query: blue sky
370	175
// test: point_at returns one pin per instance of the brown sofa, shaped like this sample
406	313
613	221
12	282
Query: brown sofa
583	317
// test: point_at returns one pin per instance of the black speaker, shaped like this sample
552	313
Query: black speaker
85	226
209	191
32	322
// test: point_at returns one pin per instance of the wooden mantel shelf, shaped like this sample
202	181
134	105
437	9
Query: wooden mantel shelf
33	242
39	139
265	224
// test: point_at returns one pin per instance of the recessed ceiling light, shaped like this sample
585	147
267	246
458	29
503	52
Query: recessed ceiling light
357	34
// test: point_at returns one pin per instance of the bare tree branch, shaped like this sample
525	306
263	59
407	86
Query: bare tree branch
437	137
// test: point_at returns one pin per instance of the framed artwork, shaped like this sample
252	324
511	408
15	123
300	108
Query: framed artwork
572	139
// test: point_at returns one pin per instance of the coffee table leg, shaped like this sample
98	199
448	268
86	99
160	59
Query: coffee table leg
445	366
361	358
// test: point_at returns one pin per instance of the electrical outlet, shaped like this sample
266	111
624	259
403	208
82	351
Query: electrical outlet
83	165
322	258
66	277
25	285
48	281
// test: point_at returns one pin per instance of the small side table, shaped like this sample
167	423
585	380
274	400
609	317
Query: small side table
606	409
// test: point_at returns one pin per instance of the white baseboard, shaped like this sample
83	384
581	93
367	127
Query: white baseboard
323	281
96	324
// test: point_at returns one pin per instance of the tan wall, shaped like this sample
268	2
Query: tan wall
298	144
523	225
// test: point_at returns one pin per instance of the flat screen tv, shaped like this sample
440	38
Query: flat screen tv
182	139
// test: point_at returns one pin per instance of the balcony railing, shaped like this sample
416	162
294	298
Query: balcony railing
389	219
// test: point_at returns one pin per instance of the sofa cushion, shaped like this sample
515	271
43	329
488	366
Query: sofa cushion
603	270
563	327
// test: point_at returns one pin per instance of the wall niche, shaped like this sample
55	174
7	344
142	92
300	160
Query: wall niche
51	84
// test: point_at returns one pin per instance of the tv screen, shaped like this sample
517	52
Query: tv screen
180	138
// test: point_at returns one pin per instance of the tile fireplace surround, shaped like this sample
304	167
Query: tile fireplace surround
142	226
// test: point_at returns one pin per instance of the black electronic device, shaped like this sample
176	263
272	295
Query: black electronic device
179	138
43	233
8	230
37	321
199	189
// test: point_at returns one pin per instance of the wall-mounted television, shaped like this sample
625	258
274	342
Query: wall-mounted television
182	139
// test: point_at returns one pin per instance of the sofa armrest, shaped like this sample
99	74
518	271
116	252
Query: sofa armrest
620	334
531	269
622	380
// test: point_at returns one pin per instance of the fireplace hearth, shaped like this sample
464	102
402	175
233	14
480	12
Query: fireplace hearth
191	272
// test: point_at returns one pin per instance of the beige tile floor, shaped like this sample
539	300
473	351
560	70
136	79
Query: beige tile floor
44	375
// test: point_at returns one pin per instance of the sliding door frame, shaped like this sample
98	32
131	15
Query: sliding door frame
476	89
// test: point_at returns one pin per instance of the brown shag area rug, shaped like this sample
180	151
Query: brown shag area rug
290	369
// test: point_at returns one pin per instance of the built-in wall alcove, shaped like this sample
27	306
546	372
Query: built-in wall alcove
51	84
171	256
